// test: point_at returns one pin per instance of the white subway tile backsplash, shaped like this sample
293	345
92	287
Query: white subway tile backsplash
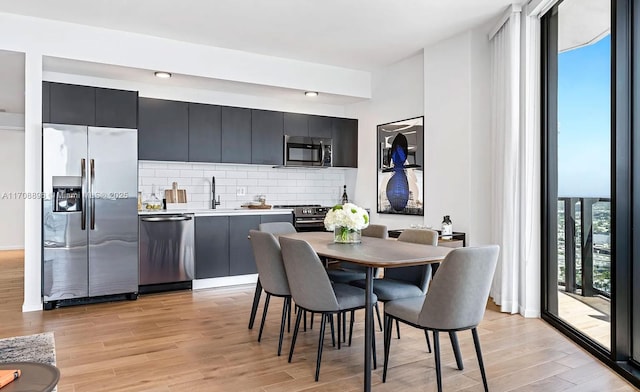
237	174
279	185
175	173
152	165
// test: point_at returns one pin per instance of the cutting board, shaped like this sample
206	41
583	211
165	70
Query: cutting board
180	196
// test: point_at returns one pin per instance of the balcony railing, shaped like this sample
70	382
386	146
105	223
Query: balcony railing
584	241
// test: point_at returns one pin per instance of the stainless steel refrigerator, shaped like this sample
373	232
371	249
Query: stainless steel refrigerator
89	217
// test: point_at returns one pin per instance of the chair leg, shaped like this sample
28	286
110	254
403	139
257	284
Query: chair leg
321	342
295	335
311	321
353	318
339	328
378	315
305	320
344	326
476	342
264	314
289	318
256	301
426	335
456	349
388	326
333	333
398	328
285	309
436	348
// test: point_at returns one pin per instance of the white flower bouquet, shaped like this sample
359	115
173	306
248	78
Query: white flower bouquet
346	220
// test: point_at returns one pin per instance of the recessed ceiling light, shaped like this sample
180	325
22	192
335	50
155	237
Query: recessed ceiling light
311	93
163	75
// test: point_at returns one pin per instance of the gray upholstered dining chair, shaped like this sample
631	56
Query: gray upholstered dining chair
455	301
275	228
312	291
404	282
273	278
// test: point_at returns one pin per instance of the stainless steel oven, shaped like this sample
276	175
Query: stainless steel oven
308	217
304	151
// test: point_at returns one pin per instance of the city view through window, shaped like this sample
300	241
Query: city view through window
584	179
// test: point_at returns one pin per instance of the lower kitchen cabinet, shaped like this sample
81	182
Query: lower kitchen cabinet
212	246
241	261
222	245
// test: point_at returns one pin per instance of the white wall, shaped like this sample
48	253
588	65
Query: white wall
449	84
457	105
397	94
12	175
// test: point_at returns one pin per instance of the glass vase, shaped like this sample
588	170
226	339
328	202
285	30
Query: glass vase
345	235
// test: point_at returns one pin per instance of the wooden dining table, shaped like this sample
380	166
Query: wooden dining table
372	253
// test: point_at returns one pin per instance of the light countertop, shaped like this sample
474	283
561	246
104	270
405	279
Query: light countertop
218	211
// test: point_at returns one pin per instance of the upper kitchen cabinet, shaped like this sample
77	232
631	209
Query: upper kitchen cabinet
267	145
205	134
85	105
46	102
236	135
320	126
163	130
296	124
72	104
345	142
116	108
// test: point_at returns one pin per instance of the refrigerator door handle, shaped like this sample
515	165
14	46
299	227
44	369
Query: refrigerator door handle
91	195
83	170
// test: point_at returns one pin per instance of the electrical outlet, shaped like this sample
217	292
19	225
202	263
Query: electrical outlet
241	191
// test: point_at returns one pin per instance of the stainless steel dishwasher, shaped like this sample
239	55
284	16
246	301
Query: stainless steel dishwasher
166	252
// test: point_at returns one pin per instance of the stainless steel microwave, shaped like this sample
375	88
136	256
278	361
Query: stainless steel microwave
305	151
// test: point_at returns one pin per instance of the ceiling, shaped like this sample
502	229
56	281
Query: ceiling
357	34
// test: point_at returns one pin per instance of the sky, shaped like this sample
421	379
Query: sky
584	121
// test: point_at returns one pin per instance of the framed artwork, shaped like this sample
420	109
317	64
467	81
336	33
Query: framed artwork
401	167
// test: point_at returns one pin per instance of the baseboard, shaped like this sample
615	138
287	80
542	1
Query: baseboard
224	281
12	247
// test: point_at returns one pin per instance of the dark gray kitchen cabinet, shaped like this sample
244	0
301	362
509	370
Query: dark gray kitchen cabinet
236	135
46	106
241	261
116	108
205	135
320	126
163	130
212	246
86	105
72	104
222	244
345	142
267	145
296	124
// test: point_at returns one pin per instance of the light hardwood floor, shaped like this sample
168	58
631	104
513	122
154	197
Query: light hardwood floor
199	341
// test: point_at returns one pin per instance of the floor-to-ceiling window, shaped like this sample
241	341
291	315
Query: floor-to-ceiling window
582	62
591	161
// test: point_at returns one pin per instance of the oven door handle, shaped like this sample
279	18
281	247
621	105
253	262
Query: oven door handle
310	221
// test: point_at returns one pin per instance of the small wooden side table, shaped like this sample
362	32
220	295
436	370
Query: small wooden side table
35	377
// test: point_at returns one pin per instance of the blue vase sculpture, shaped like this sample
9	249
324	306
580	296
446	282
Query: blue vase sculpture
398	185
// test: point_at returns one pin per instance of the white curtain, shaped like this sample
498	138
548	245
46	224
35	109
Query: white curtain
508	202
515	141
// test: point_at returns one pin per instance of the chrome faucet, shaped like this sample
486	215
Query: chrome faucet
214	202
